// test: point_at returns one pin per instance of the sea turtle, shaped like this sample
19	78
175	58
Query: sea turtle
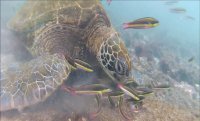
62	35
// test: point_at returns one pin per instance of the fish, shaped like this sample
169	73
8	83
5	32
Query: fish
131	82
129	92
142	23
121	110
83	65
92	89
144	91
162	86
191	59
171	2
109	1
189	17
178	10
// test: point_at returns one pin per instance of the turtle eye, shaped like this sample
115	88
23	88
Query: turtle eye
120	67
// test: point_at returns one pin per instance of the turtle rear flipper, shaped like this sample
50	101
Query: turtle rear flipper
33	81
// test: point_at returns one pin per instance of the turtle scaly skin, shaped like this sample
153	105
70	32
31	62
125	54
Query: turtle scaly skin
56	32
33	82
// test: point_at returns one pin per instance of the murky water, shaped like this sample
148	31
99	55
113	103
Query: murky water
168	53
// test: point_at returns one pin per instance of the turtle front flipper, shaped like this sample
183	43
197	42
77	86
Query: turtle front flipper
33	81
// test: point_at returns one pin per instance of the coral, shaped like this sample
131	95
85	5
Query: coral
164	66
139	50
182	75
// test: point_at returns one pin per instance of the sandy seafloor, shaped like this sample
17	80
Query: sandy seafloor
154	110
174	104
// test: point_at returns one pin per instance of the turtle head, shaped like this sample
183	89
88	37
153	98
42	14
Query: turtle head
114	58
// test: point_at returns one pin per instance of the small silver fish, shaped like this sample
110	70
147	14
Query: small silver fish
178	10
191	59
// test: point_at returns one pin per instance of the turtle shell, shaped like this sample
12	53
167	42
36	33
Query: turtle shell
32	18
35	14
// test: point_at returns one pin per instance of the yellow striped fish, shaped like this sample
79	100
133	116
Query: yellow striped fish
142	23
